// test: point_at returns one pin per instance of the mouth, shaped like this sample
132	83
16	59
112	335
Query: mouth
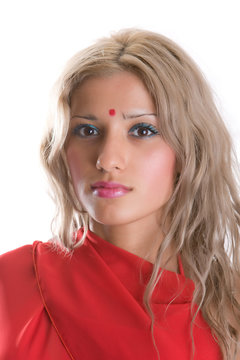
109	189
109	185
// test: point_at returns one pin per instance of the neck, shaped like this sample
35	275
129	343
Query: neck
142	240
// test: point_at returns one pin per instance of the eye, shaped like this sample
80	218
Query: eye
143	130
85	130
140	130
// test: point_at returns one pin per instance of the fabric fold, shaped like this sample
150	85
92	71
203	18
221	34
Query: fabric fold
94	299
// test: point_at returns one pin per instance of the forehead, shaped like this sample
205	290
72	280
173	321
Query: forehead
120	89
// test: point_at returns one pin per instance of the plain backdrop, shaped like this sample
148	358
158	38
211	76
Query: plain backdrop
38	37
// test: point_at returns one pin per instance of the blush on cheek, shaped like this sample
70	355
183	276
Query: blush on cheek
74	164
161	167
163	159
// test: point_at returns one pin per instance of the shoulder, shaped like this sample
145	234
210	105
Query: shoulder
15	259
16	271
19	294
16	266
18	285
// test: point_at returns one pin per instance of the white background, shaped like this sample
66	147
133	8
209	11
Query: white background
37	38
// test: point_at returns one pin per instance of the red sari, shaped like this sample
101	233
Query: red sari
90	306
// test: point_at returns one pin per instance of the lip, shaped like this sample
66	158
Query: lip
113	192
108	189
109	185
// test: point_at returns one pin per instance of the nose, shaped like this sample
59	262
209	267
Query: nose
112	154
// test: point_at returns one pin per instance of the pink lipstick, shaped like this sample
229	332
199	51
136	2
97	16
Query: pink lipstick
109	189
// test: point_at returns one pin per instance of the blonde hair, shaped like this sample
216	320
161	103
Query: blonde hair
205	205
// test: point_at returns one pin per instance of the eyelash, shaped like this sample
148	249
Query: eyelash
76	130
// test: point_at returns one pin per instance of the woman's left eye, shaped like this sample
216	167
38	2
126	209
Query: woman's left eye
144	130
140	130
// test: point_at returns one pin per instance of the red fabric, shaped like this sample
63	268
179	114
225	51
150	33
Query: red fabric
90	306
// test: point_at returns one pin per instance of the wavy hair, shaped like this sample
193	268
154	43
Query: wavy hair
204	208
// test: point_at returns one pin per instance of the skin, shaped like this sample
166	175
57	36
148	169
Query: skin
146	164
133	158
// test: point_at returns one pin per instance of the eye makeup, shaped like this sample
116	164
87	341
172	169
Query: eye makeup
78	130
147	127
79	127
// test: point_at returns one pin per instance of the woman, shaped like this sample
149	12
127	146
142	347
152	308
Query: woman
144	262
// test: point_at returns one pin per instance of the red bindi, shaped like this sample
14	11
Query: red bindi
112	112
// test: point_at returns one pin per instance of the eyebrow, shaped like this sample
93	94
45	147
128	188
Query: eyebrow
125	116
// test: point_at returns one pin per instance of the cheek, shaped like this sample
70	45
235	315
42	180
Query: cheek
75	164
160	168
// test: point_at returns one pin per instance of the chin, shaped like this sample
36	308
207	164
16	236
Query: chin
109	221
111	218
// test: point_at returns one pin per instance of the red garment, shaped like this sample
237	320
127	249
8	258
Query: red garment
89	306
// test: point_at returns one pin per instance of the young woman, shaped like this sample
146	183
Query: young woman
144	262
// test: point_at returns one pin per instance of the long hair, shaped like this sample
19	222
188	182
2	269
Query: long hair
204	208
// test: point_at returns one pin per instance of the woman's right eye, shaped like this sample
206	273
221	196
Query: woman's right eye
85	130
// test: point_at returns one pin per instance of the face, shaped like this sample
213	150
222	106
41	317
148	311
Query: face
114	136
